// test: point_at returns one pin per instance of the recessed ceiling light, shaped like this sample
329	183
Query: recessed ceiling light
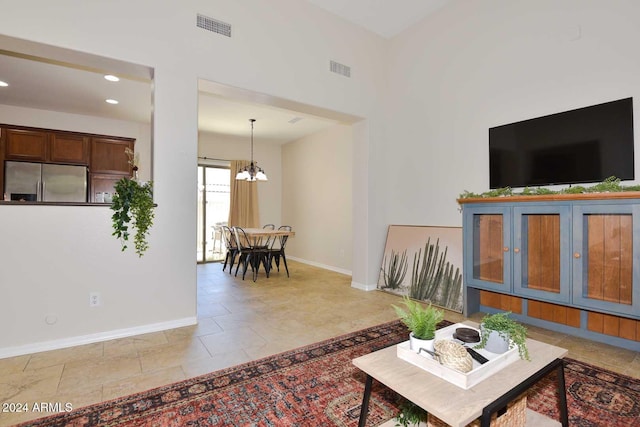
111	101
111	78
3	84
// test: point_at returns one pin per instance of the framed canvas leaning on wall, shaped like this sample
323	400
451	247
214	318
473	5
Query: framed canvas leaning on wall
424	263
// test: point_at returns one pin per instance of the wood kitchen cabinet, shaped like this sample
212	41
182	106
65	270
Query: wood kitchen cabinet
108	156
26	144
104	155
35	145
565	259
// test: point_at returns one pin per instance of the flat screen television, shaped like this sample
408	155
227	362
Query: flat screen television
584	145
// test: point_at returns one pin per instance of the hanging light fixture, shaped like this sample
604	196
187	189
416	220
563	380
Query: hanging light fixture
251	172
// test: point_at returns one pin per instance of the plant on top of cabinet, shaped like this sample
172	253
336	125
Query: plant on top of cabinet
609	185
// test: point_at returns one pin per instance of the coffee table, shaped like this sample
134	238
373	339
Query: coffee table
454	405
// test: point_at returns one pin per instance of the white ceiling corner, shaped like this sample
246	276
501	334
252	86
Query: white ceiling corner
386	18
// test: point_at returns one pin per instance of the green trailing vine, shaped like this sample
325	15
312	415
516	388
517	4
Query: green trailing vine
133	207
609	185
508	329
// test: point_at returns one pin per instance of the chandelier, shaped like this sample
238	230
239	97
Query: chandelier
251	172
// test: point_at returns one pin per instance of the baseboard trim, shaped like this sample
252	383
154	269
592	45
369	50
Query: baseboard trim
364	287
93	338
317	264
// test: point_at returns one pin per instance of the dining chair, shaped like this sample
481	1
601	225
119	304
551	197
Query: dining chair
250	255
277	249
232	247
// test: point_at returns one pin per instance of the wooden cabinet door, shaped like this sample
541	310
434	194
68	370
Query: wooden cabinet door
69	148
108	156
28	145
488	252
541	255
605	276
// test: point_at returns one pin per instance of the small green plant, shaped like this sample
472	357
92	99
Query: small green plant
508	329
410	414
133	207
420	320
609	185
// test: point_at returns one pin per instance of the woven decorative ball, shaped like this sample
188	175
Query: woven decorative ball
453	355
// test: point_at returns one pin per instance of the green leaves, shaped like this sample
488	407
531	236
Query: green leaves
133	207
420	320
507	328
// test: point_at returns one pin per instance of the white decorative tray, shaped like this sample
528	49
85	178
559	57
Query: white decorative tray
479	373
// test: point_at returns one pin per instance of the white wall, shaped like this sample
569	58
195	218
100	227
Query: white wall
317	197
475	65
267	155
52	257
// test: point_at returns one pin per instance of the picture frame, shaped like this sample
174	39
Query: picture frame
424	263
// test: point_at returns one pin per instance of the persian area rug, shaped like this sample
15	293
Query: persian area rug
317	385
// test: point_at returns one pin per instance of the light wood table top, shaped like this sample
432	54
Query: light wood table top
453	405
261	232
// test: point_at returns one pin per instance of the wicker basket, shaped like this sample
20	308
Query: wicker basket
453	355
516	416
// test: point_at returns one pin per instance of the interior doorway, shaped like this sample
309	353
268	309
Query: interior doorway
213	211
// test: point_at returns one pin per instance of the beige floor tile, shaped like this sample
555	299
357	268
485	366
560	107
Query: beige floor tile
220	361
172	355
233	340
62	356
84	375
30	385
12	365
140	383
205	326
144	341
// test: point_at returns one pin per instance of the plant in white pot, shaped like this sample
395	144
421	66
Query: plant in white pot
421	321
499	333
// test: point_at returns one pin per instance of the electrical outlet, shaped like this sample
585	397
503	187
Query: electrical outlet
94	299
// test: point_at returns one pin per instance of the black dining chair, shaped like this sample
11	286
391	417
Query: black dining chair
232	247
250	255
277	249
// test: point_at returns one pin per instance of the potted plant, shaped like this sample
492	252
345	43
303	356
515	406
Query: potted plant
421	322
499	333
133	207
410	415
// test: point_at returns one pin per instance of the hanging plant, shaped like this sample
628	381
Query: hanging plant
133	207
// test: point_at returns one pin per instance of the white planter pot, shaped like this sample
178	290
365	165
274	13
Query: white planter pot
496	343
416	344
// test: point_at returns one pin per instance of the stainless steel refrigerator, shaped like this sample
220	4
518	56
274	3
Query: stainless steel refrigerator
45	182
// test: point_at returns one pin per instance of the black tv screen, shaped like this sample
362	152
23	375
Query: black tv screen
579	146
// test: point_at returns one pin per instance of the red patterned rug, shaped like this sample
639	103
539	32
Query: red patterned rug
317	385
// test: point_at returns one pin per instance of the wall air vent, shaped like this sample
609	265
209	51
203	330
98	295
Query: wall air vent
338	68
295	120
213	25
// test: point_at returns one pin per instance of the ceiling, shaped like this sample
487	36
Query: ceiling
74	82
386	18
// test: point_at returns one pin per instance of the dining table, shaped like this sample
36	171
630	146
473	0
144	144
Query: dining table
258	234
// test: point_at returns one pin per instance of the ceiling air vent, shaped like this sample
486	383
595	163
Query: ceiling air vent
214	25
338	68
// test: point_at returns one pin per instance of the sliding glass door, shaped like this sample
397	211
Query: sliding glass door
213	211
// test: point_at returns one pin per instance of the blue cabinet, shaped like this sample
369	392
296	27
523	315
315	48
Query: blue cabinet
575	251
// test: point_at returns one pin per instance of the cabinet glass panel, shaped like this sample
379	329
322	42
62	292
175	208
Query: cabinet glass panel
488	252
540	251
608	257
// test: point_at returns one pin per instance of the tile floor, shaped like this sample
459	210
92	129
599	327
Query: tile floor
238	321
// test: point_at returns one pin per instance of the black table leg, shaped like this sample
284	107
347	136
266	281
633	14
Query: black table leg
562	395
364	409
